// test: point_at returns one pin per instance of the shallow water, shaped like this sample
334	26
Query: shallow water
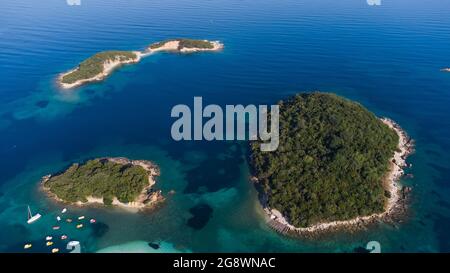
388	58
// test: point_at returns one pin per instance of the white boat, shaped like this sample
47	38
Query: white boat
64	210
58	218
32	218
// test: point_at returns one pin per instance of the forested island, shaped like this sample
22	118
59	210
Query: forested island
337	164
100	65
97	67
107	181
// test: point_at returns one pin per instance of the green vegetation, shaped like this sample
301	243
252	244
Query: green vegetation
331	161
189	43
99	178
159	44
94	65
185	43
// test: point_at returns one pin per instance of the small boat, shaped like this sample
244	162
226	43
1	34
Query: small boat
48	238
64	210
55	250
27	246
68	220
63	237
81	218
58	218
79	225
49	243
32	218
55	227
92	221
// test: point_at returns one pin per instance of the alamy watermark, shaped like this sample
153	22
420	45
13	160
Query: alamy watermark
374	2
73	2
220	125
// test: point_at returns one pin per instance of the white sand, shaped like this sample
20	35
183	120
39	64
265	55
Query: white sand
168	46
141	247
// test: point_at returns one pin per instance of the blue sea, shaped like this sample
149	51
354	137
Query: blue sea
386	57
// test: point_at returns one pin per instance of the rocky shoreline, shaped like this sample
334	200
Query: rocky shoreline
148	197
395	207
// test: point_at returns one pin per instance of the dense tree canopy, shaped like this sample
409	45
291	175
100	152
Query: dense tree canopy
94	65
330	164
99	178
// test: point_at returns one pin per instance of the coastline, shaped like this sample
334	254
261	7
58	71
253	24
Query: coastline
109	67
146	199
394	206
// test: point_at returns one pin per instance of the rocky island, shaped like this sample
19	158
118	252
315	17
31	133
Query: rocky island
106	181
100	65
337	166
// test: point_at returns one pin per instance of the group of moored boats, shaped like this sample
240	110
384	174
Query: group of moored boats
49	239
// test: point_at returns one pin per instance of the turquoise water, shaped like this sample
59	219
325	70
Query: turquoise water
386	57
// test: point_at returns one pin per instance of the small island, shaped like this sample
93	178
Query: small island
337	166
100	65
185	46
106	181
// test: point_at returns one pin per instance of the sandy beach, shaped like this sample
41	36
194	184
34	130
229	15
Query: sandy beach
391	183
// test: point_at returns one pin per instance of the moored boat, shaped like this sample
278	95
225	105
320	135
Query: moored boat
32	218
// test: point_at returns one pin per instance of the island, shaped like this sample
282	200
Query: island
99	66
106	181
337	166
185	46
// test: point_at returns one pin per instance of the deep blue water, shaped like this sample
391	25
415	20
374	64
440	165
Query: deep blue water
386	57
